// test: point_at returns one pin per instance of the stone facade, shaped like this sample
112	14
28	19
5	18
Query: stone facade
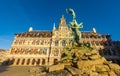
44	47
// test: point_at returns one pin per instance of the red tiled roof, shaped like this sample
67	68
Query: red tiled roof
2	50
35	34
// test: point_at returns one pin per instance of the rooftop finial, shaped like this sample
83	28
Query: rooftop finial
62	20
94	30
30	29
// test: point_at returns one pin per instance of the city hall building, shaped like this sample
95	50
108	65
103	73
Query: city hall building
41	47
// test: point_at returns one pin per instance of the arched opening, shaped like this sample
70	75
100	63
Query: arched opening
18	61
43	61
33	61
28	61
6	62
23	61
38	62
55	61
11	61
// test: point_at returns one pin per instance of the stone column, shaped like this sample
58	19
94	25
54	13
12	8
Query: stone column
25	63
41	61
15	61
30	61
35	62
46	61
51	61
20	62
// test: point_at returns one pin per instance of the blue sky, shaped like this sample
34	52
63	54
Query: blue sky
18	15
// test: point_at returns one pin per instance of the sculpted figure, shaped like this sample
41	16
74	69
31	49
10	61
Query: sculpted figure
75	27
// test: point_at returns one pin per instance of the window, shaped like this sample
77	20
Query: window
97	43
20	42
44	51
105	43
101	43
99	36
92	42
46	42
63	43
16	41
39	51
33	42
56	52
29	50
42	42
23	42
37	42
56	43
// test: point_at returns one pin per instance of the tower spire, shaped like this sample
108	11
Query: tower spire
54	26
62	23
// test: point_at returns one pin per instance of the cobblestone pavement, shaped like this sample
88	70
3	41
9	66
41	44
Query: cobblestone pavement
15	71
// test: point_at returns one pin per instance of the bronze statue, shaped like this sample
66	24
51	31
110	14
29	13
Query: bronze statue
75	27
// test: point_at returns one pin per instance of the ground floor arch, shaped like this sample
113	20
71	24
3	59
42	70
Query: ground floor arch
30	61
55	61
